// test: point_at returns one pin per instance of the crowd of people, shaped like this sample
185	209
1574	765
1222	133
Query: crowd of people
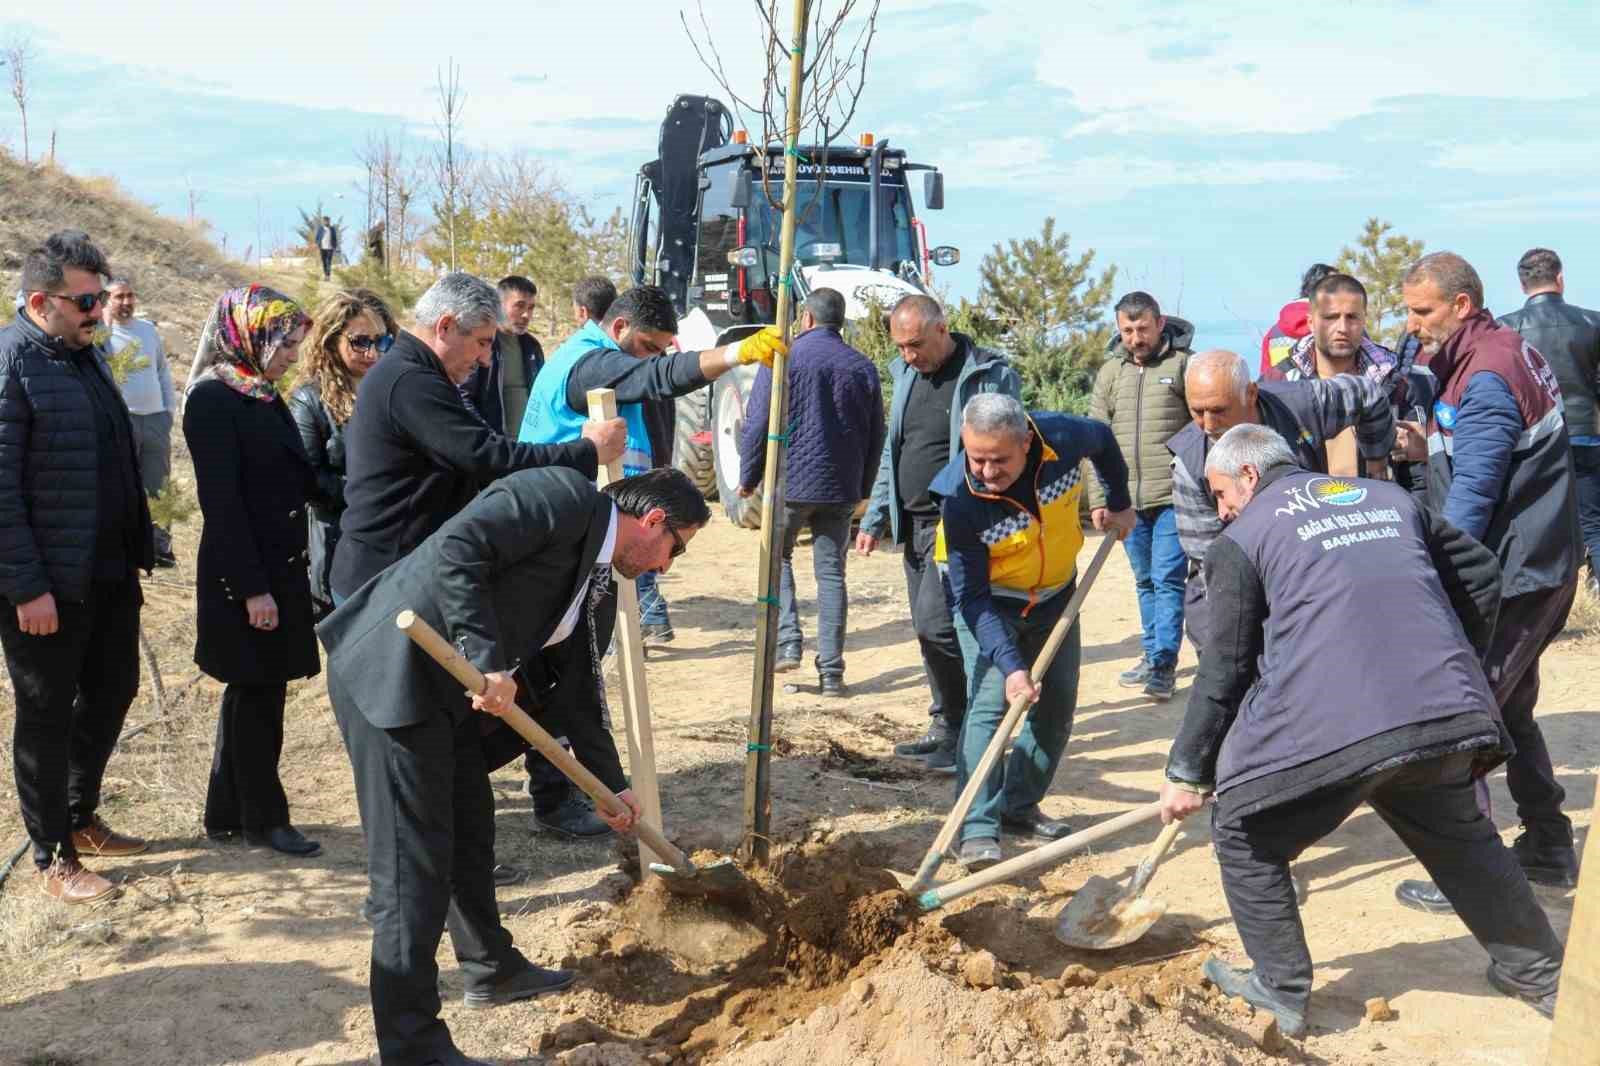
449	468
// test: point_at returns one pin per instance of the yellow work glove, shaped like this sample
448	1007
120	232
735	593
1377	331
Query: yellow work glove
762	347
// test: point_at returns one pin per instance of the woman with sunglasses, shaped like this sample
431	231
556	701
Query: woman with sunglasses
348	334
254	621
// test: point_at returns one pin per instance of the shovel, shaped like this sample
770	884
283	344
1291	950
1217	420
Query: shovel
720	879
1008	725
1102	916
1050	854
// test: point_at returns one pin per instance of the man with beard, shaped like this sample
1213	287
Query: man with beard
1305	413
1500	470
521	581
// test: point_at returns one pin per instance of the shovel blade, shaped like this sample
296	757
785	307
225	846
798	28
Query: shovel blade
1102	915
718	880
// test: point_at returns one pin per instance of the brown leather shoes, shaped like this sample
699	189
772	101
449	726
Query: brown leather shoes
66	880
98	838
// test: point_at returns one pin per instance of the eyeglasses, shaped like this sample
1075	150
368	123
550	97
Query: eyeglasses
678	546
85	303
361	342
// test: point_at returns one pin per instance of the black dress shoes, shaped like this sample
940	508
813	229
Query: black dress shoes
1544	1003
1032	822
1248	987
285	839
524	984
1546	863
1423	896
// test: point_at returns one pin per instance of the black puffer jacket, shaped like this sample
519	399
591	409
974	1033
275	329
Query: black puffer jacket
49	467
1568	337
323	439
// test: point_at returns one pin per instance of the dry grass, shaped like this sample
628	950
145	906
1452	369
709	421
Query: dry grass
1583	623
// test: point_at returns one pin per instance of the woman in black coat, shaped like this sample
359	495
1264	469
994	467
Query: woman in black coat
254	617
348	334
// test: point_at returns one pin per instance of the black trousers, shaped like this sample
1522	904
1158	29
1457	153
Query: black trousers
244	792
73	690
327	260
934	625
1432	808
1527	625
428	816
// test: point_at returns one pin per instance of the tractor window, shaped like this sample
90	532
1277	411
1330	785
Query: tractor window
719	223
837	213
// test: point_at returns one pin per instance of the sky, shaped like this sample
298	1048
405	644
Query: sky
1209	151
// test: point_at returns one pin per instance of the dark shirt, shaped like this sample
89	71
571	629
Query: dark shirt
925	436
117	521
660	377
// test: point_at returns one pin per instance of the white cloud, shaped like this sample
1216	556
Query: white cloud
1551	156
1024	164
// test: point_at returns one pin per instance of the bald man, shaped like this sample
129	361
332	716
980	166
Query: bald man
1307	414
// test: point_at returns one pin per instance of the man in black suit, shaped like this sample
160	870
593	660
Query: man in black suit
521	581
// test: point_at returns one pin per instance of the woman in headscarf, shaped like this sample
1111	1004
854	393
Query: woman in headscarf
254	620
348	334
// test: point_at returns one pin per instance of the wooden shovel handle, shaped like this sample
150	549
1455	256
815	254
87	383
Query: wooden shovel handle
428	639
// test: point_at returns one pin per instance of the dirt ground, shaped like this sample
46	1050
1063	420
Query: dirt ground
217	954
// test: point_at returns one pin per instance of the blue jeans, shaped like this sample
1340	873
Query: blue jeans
652	605
1586	475
1159	567
1022	780
830	531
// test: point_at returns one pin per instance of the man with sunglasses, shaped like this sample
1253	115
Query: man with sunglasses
74	531
522	581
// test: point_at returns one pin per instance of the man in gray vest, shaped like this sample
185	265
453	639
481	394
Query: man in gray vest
1292	739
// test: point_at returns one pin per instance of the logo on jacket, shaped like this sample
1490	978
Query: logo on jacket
1445	415
1338	492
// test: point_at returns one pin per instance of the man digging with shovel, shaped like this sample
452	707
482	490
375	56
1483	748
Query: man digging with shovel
1293	736
520	583
1008	543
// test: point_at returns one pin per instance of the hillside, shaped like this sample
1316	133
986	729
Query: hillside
178	273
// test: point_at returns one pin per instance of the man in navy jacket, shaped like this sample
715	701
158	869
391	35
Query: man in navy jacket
836	432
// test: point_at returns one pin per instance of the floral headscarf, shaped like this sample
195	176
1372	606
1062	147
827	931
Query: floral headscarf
244	334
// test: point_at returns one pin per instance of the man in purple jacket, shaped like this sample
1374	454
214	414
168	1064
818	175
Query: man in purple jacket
836	434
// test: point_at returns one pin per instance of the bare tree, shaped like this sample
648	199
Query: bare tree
834	75
392	184
449	160
17	58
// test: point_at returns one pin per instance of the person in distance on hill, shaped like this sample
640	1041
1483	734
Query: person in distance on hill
937	373
629	352
327	241
1291	740
1500	469
836	433
74	529
1139	394
1009	541
521	581
499	391
348	334
148	392
254	619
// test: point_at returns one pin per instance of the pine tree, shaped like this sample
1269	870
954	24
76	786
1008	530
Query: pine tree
1380	260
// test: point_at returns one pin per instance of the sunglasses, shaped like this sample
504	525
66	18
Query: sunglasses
85	303
361	342
678	546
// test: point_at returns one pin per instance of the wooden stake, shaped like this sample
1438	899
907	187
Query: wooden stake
1573	1041
758	749
630	657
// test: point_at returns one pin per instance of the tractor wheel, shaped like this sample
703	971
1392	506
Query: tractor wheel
727	410
691	441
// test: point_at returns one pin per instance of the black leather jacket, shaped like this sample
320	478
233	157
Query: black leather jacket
1569	339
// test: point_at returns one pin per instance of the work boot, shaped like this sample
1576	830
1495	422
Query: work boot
939	735
979	853
1031	821
97	838
657	633
788	660
66	881
833	685
572	818
528	983
942	761
1423	896
1138	676
1546	863
1544	1003
1232	981
1162	681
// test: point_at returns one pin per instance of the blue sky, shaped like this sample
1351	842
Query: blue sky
1210	151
